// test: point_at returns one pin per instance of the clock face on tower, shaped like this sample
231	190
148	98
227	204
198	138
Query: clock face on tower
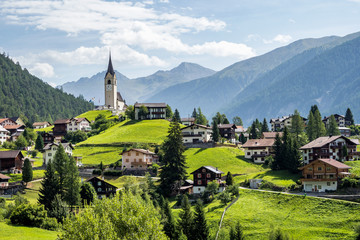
108	87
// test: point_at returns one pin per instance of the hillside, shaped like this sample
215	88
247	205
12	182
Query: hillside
213	92
23	93
136	89
329	79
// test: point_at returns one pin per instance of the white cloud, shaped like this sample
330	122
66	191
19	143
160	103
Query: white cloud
42	70
164	1
279	39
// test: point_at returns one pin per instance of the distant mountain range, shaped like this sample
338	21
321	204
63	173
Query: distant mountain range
137	89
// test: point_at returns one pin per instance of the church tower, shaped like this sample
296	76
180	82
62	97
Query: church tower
110	87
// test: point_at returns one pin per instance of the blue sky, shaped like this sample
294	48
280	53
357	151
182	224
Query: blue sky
63	40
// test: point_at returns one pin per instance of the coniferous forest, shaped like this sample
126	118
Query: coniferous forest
23	93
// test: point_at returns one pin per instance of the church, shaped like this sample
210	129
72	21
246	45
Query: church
113	98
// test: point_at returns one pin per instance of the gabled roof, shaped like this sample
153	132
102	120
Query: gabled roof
335	115
195	124
188	119
4	119
2	176
10	154
2	129
229	125
119	97
322	141
48	146
139	150
259	143
271	134
99	179
150	104
78	120
41	123
210	168
10	127
331	162
62	121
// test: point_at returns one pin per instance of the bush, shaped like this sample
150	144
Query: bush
96	172
113	173
225	197
233	190
50	224
2	202
34	153
349	182
28	215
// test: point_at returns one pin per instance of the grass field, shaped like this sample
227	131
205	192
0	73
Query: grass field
355	167
224	158
301	217
37	174
47	129
94	155
146	131
91	115
282	178
11	232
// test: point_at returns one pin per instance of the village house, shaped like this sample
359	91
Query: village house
156	110
188	121
47	137
60	127
11	161
75	124
138	159
258	149
340	120
330	147
51	148
4	135
203	176
227	131
323	175
4	180
39	125
278	124
344	131
196	133
18	120
7	121
270	135
102	188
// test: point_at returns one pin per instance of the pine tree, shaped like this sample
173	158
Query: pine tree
58	209
39	144
265	127
319	127
253	131
242	138
236	232
229	179
310	131
344	152
200	228
72	183
169	112
314	108
333	129
169	221
215	132
173	170
194	114
61	162
87	193
176	116
349	118
297	124
186	217
49	186
27	172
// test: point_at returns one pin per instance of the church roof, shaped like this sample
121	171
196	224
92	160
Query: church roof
110	67
119	97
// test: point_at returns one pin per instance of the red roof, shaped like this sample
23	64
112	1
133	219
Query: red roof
7	127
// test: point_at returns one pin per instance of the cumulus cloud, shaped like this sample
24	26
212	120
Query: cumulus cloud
279	39
42	70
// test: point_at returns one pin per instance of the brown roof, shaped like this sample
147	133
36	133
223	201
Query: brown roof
62	121
259	143
195	124
322	141
13	126
188	119
10	154
4	119
227	125
78	120
99	179
331	162
271	134
139	150
40	123
150	104
2	176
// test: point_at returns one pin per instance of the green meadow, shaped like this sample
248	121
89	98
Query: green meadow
91	115
11	232
93	155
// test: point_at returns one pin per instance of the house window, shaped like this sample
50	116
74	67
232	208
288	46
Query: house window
49	154
248	153
99	189
331	176
140	160
310	168
137	154
199	182
208	175
328	183
319	168
129	154
255	152
199	175
328	169
319	187
127	160
54	149
305	158
204	170
308	176
99	183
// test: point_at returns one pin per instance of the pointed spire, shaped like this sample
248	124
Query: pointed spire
110	67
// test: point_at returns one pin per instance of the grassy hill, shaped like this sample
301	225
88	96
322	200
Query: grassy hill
10	232
91	115
93	155
301	217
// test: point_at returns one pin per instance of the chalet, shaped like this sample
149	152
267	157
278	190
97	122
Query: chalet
15	131
187	187
18	120
329	148
344	131
278	124
47	137
138	159
39	125
4	135
102	188
75	124
270	135
227	131
11	161
156	110
60	127
4	180
340	120
258	149
196	133
51	148
7	121
188	121
205	175
241	130
323	175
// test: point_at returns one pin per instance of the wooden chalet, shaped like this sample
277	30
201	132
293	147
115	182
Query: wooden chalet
227	131
205	175
258	149
47	138
323	175
11	161
102	188
60	127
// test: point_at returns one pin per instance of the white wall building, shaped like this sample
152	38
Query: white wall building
4	135
51	148
196	133
76	124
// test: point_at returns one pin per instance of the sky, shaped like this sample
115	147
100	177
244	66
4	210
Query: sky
64	40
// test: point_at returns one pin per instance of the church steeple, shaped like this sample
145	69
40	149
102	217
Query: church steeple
110	67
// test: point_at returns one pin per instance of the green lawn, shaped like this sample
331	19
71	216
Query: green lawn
11	232
282	178
91	115
94	155
224	158
120	181
146	131
37	174
302	217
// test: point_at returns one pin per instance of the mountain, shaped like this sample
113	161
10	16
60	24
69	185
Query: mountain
137	89
23	93
327	76
216	91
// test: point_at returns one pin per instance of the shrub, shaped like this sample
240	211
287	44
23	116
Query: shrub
113	173
233	190
50	224
225	197
349	182
34	153
2	202
28	215
96	172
